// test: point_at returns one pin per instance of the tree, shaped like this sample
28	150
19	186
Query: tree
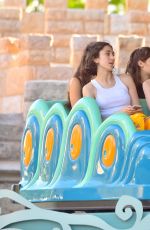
30	1
115	6
35	5
118	6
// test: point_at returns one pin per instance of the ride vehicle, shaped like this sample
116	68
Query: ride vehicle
71	160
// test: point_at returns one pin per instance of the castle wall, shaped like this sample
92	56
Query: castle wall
48	45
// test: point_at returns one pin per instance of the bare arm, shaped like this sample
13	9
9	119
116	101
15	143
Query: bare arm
75	91
128	81
146	89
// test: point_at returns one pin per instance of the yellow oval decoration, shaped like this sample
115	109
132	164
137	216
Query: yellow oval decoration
109	151
76	142
27	147
49	143
138	120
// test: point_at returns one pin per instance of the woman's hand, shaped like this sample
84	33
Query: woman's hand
132	109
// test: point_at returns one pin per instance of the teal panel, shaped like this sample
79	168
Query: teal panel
36	218
87	177
58	112
145	107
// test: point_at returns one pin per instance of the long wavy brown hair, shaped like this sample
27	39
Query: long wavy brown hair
139	54
87	67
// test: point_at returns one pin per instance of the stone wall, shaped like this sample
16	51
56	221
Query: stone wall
11	129
48	45
21	59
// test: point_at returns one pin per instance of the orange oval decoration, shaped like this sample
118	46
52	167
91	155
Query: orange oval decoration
27	147
49	143
147	123
109	151
76	142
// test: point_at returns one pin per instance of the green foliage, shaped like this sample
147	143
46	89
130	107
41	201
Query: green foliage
118	6
41	1
29	2
35	6
75	4
115	6
117	2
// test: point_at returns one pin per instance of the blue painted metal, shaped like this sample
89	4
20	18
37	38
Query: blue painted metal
86	178
48	167
55	118
76	168
27	172
36	218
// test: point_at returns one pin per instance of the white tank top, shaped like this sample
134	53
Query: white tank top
111	100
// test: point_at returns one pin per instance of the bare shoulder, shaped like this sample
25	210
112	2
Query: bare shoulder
146	84
126	79
88	86
88	90
75	81
74	84
146	89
